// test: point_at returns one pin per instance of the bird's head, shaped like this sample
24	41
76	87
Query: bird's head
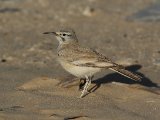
65	36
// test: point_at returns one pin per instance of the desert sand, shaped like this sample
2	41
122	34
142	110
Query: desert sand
33	85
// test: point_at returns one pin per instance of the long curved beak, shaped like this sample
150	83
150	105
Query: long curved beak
51	33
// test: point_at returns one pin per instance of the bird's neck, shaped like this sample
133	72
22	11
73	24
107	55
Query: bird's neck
67	45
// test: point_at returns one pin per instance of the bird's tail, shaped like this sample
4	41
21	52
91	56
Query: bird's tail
126	73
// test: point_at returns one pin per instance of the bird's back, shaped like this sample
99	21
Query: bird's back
83	56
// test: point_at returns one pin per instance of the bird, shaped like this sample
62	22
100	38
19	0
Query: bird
84	62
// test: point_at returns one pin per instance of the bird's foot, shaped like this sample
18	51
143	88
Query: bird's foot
85	89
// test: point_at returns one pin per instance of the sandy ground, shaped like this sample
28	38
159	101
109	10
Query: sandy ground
33	86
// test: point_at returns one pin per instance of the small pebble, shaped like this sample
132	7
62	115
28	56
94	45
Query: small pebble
88	11
3	60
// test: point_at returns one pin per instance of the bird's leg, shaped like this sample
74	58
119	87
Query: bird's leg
82	83
87	84
90	80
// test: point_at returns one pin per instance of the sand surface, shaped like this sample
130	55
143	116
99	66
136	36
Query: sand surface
33	86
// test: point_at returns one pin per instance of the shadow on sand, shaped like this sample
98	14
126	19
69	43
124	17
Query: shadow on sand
115	77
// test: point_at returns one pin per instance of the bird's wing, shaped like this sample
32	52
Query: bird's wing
92	63
90	58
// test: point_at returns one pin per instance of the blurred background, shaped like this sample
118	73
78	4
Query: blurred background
126	31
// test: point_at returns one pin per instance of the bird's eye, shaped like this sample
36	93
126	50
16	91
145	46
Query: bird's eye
64	34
